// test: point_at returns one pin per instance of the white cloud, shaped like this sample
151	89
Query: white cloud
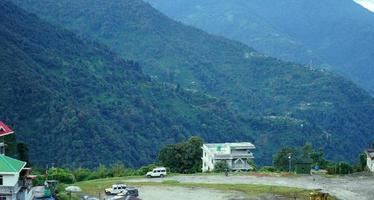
368	4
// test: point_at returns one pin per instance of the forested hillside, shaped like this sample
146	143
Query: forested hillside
336	34
235	20
294	99
77	104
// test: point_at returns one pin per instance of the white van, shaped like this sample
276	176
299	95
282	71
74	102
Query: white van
157	172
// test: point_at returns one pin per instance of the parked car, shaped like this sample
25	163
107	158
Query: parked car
130	191
116	189
89	198
157	172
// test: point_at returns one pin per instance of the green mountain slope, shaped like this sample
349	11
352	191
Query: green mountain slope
337	33
232	19
296	103
77	104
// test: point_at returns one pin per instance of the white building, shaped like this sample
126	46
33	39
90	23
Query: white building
15	179
370	159
15	183
235	154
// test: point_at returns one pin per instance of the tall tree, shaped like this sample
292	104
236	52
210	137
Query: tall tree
23	152
183	157
362	162
281	159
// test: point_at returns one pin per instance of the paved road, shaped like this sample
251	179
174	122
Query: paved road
345	188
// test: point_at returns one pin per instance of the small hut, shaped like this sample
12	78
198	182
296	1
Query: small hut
303	166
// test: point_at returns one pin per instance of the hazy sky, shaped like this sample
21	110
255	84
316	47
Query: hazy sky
369	4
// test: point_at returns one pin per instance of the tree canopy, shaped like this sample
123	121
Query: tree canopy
183	157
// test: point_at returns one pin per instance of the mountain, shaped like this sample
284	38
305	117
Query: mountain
334	34
368	4
77	104
231	19
284	103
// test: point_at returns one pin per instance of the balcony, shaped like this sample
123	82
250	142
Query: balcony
8	190
234	156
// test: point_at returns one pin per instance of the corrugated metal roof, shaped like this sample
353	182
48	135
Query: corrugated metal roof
4	129
10	165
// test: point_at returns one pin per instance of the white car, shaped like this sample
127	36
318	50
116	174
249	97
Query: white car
157	172
116	189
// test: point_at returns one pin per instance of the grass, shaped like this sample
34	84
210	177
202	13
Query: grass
96	187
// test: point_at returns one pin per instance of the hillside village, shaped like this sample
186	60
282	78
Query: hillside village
229	158
186	100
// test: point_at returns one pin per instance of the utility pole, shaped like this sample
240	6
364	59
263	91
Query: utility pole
289	162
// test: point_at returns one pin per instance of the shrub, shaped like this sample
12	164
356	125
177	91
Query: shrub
221	166
82	174
267	169
39	180
62	175
143	170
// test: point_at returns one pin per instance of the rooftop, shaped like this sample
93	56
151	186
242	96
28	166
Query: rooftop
4	129
10	165
226	149
231	145
370	153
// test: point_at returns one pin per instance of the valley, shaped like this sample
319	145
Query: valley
277	101
186	99
332	34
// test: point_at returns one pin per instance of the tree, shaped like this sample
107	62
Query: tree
118	170
183	157
62	175
281	160
319	159
303	154
344	168
23	153
102	171
362	162
82	174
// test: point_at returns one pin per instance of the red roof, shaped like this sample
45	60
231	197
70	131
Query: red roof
4	129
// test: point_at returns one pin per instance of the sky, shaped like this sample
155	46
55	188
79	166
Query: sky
369	4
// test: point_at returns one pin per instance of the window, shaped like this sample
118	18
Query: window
2	197
1	181
163	170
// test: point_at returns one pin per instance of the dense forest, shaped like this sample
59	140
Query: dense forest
75	103
334	34
284	103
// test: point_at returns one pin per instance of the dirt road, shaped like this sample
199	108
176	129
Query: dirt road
345	188
180	193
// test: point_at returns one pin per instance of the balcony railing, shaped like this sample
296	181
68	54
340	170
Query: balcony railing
233	156
10	189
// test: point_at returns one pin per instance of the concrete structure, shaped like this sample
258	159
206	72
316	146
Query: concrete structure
235	154
370	159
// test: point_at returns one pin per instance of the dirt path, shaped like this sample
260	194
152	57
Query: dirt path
181	193
345	188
